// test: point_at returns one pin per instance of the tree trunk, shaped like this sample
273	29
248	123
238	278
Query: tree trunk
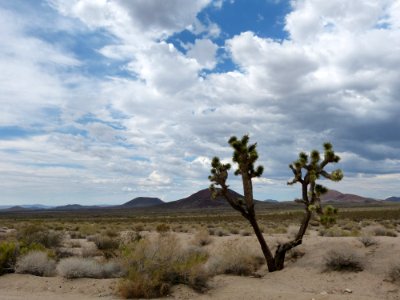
264	247
280	252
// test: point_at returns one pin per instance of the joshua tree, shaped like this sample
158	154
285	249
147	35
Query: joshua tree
306	172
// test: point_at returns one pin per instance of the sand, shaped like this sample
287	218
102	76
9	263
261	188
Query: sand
301	279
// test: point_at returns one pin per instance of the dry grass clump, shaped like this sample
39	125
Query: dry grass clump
368	241
36	263
334	231
235	258
156	264
379	230
201	238
343	260
78	267
394	273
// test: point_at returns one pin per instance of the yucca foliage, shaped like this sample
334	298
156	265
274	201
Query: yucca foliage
307	169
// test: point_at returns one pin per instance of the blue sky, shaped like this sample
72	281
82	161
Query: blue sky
106	100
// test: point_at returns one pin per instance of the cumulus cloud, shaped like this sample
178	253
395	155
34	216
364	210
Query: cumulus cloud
204	51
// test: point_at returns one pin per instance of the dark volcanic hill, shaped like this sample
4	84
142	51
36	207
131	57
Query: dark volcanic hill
202	199
142	202
338	197
392	199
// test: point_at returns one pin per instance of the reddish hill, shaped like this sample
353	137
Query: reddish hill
335	197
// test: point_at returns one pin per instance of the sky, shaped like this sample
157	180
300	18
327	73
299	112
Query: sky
106	100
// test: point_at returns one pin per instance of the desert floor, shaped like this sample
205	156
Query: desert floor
304	278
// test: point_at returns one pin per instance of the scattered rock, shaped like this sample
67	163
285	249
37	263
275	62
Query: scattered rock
348	291
324	293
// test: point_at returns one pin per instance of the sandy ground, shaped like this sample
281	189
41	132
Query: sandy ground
302	279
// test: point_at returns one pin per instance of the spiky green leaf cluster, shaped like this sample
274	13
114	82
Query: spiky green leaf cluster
219	175
245	156
328	218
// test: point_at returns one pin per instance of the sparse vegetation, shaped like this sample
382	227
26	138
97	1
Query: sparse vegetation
76	267
202	238
394	273
343	260
235	258
368	241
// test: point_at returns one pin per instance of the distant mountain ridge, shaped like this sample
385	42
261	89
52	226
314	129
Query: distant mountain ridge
199	200
334	196
392	199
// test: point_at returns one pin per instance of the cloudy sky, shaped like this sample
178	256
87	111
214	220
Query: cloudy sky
105	100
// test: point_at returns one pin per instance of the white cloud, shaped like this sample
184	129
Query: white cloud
204	51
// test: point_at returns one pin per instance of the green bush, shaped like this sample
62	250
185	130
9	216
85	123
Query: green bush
35	234
8	257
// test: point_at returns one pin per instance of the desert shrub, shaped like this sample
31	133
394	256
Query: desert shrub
202	238
8	257
64	253
88	229
343	260
76	235
111	232
36	263
88	251
334	231
162	228
105	243
234	231
368	241
379	230
113	269
75	243
294	254
77	267
245	232
351	226
235	258
38	235
154	265
394	273
128	237
139	227
211	231
221	232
